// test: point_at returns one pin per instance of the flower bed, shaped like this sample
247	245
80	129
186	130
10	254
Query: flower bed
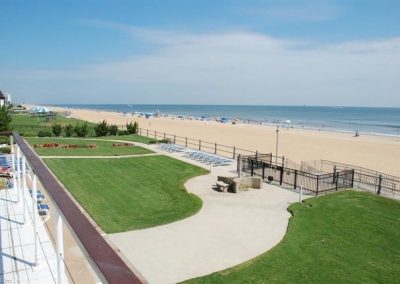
65	146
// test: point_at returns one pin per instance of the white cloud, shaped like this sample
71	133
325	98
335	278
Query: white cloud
237	67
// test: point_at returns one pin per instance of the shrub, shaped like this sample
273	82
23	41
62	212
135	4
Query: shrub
101	128
135	127
44	133
153	141
113	129
81	130
4	140
69	129
5	119
132	128
5	150
123	132
57	129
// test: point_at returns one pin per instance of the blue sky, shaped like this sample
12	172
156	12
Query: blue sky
201	52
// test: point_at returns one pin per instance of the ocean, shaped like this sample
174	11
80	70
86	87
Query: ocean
369	120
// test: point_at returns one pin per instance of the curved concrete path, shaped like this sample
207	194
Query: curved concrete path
229	229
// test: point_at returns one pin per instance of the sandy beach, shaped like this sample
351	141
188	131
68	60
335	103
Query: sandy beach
381	153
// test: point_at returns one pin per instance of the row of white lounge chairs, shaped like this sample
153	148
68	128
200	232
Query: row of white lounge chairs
199	156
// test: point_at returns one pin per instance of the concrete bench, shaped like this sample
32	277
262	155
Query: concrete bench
222	186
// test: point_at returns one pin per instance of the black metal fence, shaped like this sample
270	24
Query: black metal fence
293	178
198	144
364	178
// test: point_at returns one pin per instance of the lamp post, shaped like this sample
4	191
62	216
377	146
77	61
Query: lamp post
277	141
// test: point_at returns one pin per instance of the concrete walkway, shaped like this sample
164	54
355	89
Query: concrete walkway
230	229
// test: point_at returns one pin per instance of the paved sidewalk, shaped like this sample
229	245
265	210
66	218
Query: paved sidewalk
230	229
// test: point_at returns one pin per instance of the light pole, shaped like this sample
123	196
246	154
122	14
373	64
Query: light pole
277	141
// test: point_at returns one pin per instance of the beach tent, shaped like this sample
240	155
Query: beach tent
39	110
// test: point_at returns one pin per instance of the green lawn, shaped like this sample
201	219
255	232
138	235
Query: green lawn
28	125
104	148
131	193
131	137
345	237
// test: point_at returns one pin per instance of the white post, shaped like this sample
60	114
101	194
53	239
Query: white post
12	157
18	175
277	143
23	189
301	194
60	249
34	216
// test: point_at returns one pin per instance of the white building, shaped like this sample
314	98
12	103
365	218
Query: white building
5	99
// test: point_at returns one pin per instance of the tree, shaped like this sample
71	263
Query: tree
132	128
101	128
69	129
81	130
57	129
5	119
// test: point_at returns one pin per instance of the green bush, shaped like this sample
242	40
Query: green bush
5	119
5	150
153	141
123	132
132	128
135	127
101	128
81	130
44	133
69	130
113	129
57	129
4	140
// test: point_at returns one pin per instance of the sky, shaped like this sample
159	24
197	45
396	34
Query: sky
326	52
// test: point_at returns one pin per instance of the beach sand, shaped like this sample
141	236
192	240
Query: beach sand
381	153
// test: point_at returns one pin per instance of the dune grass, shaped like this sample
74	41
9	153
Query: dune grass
345	237
131	193
103	148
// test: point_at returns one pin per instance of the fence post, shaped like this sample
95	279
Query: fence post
215	150
336	178
263	172
199	144
379	185
281	176
283	161
147	132
252	167
295	179
256	155
186	142
234	151
174	139
316	193
239	165
352	178
155	134
334	174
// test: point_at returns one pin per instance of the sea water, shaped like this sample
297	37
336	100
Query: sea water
362	119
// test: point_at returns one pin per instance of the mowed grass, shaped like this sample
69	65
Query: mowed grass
28	125
131	138
130	193
103	148
346	237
